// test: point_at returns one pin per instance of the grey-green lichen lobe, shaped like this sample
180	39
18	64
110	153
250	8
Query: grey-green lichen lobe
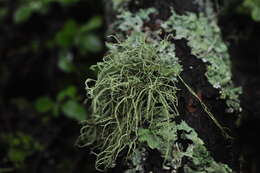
128	21
204	38
198	159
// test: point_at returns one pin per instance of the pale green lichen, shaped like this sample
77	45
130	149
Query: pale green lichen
198	159
127	21
134	103
135	85
137	159
204	38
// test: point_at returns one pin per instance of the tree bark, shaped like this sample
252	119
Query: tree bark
222	149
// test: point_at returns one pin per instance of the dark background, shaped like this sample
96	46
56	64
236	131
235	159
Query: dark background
46	50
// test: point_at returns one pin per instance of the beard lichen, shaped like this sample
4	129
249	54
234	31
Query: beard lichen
135	85
134	102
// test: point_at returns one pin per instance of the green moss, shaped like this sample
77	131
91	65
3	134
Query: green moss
204	38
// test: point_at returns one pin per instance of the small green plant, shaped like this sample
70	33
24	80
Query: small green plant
19	147
251	7
81	36
27	8
67	102
3	12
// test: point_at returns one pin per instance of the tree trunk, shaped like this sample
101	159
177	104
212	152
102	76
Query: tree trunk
198	98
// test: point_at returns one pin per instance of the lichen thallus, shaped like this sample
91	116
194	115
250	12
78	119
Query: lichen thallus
135	88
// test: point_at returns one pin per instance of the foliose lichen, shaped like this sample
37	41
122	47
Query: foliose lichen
204	39
198	159
127	21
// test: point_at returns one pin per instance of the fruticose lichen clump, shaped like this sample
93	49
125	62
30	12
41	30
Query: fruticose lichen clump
135	86
134	100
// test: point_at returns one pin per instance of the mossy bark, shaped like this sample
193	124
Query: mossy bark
222	149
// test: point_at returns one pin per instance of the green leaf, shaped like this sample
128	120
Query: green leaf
67	2
94	23
44	104
22	14
65	62
3	12
56	110
21	146
89	43
256	13
65	37
145	135
69	92
74	110
17	155
251	6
